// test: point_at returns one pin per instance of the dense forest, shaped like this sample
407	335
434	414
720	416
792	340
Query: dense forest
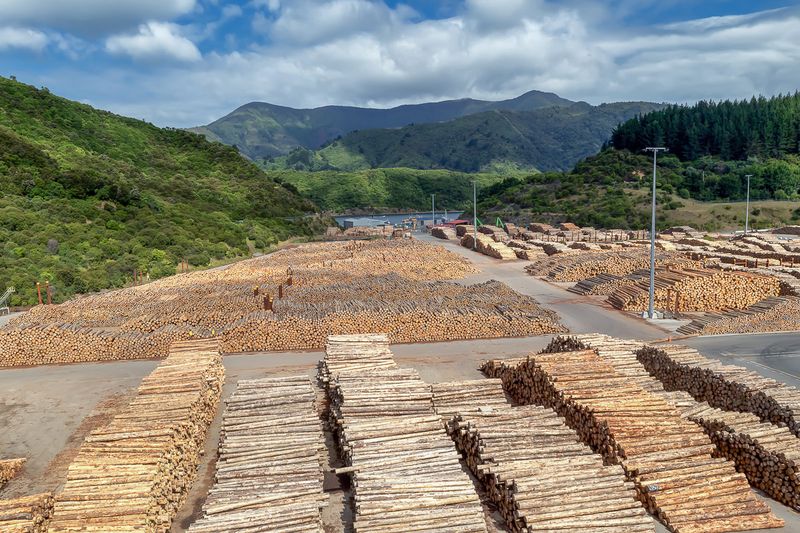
89	196
759	127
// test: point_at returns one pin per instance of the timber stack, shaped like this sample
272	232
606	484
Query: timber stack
406	474
487	246
448	234
135	472
28	514
696	290
9	468
269	470
452	398
667	457
577	267
727	387
776	313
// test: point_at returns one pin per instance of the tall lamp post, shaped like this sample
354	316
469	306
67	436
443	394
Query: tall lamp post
474	214
650	310
433	210
747	206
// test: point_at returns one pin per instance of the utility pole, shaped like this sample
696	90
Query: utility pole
433	210
650	309
747	206
474	214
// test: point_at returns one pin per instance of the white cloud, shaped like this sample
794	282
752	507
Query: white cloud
91	17
22	38
362	52
155	41
231	11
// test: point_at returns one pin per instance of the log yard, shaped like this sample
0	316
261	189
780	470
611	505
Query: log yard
456	380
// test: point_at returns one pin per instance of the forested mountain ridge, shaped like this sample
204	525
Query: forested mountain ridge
553	138
262	130
759	127
89	196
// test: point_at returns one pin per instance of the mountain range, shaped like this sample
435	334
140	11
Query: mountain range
535	131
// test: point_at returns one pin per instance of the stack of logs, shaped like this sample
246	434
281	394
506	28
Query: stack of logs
667	457
28	514
445	233
268	471
141	322
767	454
9	468
696	290
728	387
487	246
577	267
776	313
134	473
532	467
406	474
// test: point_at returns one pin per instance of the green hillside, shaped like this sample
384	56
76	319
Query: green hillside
261	130
89	196
554	138
386	189
612	189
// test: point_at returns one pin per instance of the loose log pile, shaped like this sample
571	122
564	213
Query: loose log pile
234	303
541	477
728	387
268	473
487	246
9	468
406	473
768	455
134	473
693	289
28	514
444	233
668	458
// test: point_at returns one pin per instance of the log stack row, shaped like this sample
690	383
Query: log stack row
406	474
9	468
667	457
577	267
768	455
28	514
448	234
693	289
776	313
268	474
462	397
134	473
727	387
488	246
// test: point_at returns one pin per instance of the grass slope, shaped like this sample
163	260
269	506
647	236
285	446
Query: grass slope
88	196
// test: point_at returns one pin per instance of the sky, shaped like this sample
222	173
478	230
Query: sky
184	63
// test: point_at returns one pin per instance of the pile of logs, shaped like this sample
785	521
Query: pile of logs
693	289
667	457
28	514
463	229
134	473
255	305
452	398
487	246
268	471
445	233
776	313
9	468
577	267
406	474
728	387
768	455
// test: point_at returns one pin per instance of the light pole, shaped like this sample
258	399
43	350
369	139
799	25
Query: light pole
747	206
474	214
433	210
653	233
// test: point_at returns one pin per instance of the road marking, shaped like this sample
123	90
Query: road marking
728	355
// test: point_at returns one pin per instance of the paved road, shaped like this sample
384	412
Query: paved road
581	314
